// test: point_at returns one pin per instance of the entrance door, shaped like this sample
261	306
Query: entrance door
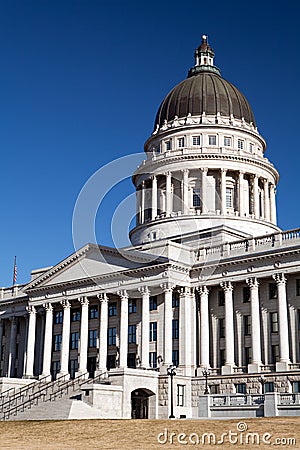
139	404
91	365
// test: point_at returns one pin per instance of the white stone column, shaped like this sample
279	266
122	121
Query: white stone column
65	346
272	204
145	326
154	197
1	336
204	208
168	193
142	214
241	193
102	362
47	340
186	330
229	328
255	326
123	328
30	341
12	347
204	327
255	196
265	329
185	191
283	323
223	191
168	317
266	200
84	335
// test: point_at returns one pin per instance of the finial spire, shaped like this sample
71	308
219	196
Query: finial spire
204	58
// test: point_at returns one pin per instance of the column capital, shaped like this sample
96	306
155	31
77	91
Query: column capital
204	169
123	294
48	307
13	319
185	171
153	177
203	290
31	309
185	290
65	303
84	301
279	278
103	297
226	286
143	290
253	283
168	174
223	170
167	287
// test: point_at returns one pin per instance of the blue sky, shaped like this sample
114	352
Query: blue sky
80	83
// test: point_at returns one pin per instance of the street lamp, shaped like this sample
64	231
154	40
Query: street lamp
171	371
205	373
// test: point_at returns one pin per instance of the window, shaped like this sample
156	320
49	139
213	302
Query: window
240	388
212	140
227	141
74	340
111	361
131	360
73	368
153	360
247	325
112	334
92	338
58	317
250	147
75	315
222	328
229	197
196	140
297	287
157	149
175	357
153	331
181	142
296	387
168	145
268	387
180	394
132	306
246	294
214	389
248	355
275	354
222	357
240	144
221	298
153	302
175	329
272	290
131	334
274	322
196	198
57	342
55	369
175	299
93	312
112	309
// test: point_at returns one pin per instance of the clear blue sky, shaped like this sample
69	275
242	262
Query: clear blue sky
80	85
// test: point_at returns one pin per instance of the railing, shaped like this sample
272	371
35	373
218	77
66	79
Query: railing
232	400
16	392
268	368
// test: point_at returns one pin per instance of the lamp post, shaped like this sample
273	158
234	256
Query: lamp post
171	372
205	373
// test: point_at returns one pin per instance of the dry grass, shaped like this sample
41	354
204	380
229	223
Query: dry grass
139	434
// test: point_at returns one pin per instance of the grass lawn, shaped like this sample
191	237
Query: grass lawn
143	434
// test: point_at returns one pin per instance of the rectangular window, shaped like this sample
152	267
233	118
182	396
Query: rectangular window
157	149
214	389
111	361
112	309
246	294
153	332
58	317
175	299
212	140
92	338
74	340
248	355
131	334
180	394
268	387
221	298
93	312
153	360
175	329
250	147
196	198
227	141
275	354
175	357
296	387
240	144
168	145
181	142
222	328
222	357
75	315
73	368
57	342
112	334
240	388
272	290
132	306
274	322
297	287
196	140
247	325
55	369
229	197
153	303
131	360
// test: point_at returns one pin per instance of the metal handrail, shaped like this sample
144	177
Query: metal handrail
23	391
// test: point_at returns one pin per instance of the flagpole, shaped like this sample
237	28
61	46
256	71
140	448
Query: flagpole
15	271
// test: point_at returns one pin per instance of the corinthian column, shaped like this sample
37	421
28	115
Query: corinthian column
12	347
266	200
272	204
168	317
123	328
103	333
65	345
255	326
229	328
204	327
84	331
145	326
256	196
223	191
241	193
283	323
154	197
168	193
47	340
185	191
30	341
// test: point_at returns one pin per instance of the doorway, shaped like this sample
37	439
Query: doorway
139	404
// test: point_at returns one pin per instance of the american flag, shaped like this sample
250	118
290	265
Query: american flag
15	271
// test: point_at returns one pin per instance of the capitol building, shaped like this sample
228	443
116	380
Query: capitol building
200	317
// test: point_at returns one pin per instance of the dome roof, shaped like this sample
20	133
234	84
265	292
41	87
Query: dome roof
204	91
